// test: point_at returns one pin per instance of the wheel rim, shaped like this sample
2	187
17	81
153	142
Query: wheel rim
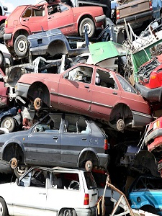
88	166
8	124
1	209
13	163
22	45
37	104
88	27
120	125
67	212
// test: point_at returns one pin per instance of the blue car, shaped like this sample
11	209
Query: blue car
145	193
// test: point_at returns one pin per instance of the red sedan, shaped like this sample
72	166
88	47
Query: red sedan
28	19
88	90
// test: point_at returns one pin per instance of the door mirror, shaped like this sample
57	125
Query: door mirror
66	75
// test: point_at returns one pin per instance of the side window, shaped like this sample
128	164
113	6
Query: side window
105	79
65	181
35	178
63	8
81	74
54	9
49	124
125	85
27	13
76	125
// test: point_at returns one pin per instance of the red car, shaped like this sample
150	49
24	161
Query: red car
153	140
28	19
150	80
89	90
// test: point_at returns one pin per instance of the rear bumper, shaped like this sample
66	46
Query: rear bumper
154	134
136	17
100	18
140	119
86	212
152	95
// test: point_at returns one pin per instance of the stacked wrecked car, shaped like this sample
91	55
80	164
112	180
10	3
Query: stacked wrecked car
72	96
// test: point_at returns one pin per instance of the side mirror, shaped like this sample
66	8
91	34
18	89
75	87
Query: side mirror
5	8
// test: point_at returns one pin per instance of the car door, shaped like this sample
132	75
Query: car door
43	144
75	137
105	93
75	90
29	200
61	17
35	19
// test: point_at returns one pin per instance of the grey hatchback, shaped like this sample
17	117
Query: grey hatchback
58	139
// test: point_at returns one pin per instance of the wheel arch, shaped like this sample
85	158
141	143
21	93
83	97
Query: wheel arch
57	47
122	107
7	148
84	16
37	85
18	32
85	155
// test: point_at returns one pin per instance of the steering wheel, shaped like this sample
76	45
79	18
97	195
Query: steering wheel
74	185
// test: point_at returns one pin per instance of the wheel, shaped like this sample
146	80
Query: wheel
37	104
9	123
14	163
67	212
120	125
88	166
89	24
20	170
3	207
21	46
2	30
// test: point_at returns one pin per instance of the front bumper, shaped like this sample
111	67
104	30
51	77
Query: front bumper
154	134
7	37
153	95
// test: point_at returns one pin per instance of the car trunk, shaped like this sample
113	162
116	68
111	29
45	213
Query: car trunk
131	8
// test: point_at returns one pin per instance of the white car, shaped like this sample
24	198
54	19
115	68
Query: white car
50	191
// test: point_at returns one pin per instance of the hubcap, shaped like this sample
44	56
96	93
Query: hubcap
22	45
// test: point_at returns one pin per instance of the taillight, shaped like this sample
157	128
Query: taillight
19	110
150	5
153	76
86	199
6	22
117	14
157	124
105	144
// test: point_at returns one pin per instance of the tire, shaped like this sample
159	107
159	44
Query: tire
2	30
90	27
3	208
150	209
9	123
37	104
2	60
20	170
88	166
67	212
21	46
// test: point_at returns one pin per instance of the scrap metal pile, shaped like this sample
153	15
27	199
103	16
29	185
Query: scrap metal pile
89	79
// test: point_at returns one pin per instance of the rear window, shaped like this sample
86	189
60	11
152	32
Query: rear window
91	184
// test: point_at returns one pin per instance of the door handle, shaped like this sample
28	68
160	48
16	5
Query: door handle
86	86
49	17
55	137
42	193
25	19
84	138
115	93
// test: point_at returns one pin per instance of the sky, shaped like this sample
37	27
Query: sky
11	4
